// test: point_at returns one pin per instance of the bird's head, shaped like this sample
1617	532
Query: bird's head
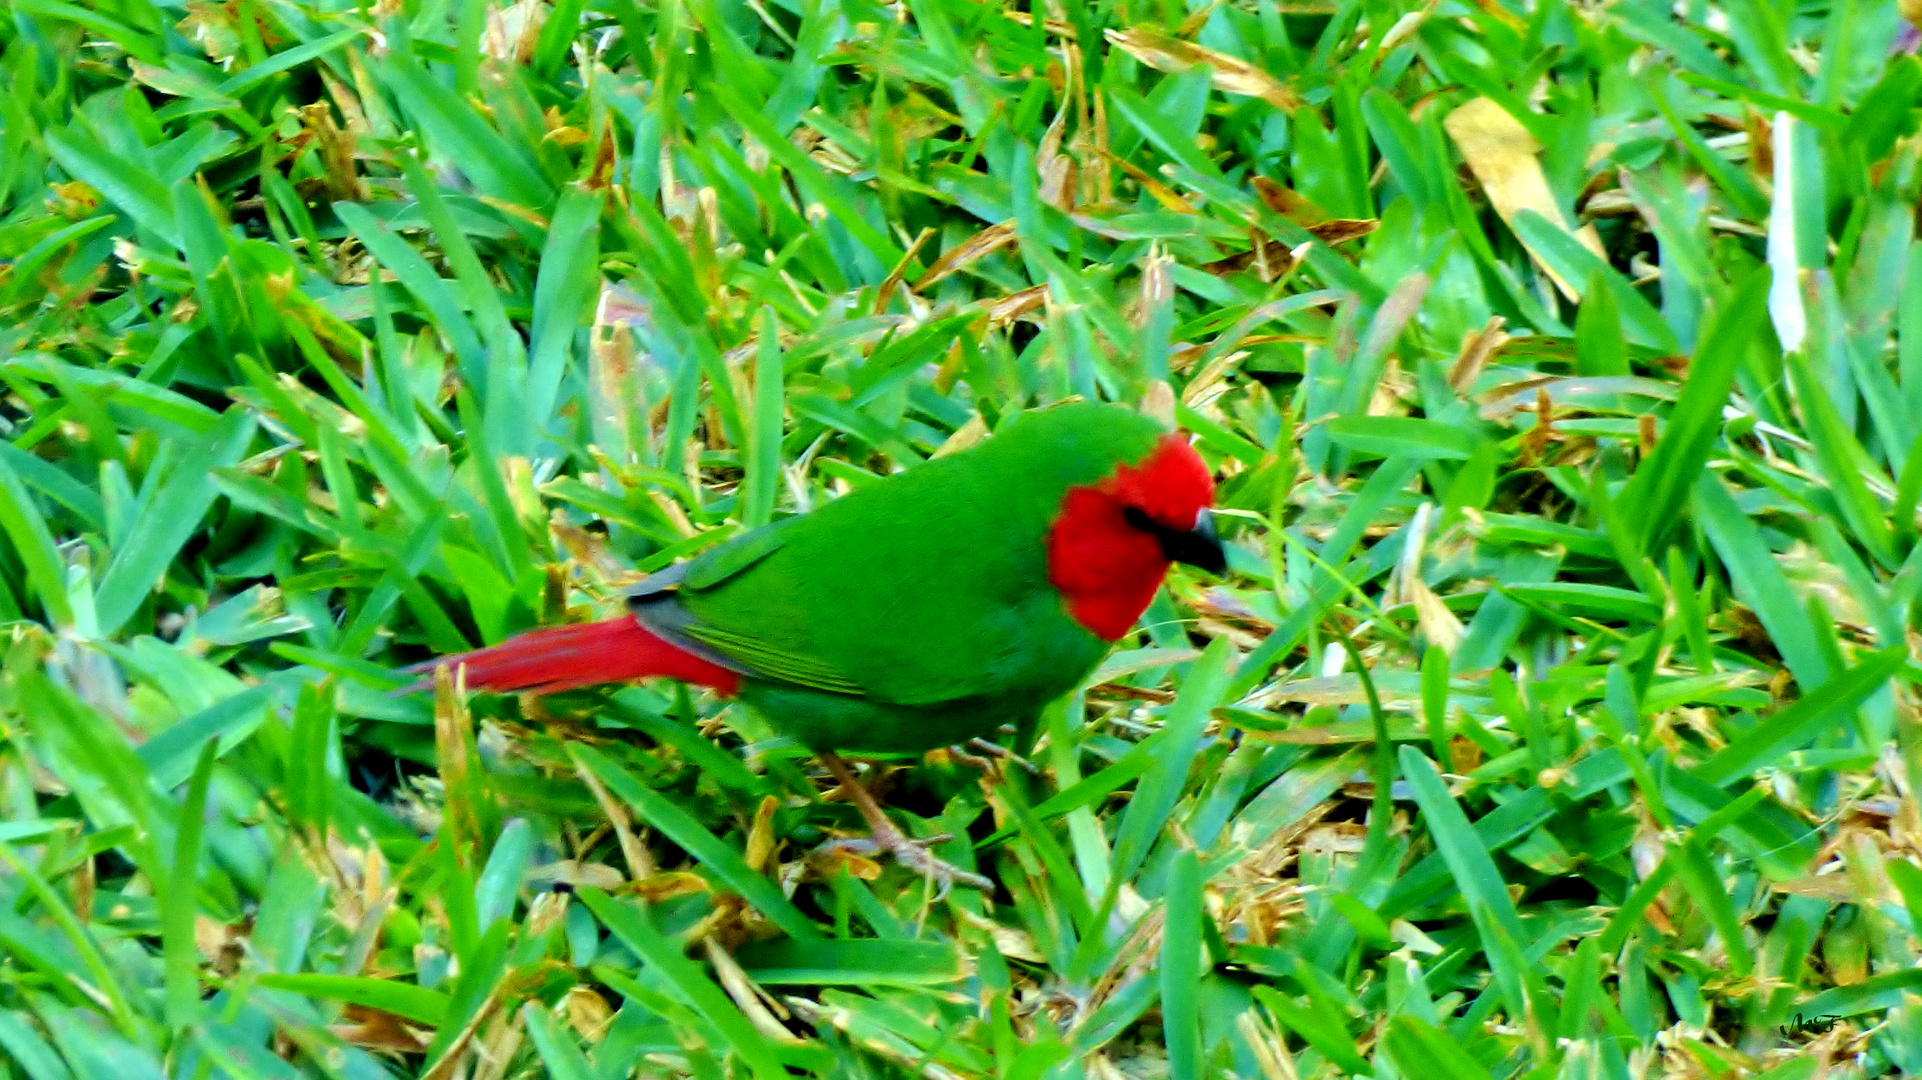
1114	540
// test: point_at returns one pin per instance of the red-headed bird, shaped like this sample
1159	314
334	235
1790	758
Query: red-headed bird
922	610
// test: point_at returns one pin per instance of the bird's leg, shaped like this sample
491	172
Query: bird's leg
888	837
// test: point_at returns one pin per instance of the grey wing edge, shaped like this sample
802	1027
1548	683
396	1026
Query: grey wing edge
655	603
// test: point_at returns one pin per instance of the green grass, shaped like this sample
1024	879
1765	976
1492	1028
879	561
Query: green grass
336	336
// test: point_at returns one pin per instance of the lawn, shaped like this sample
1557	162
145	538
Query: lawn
1561	365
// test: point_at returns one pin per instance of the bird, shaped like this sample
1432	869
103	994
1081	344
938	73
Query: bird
924	609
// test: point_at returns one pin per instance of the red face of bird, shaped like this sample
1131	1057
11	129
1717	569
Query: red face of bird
1114	540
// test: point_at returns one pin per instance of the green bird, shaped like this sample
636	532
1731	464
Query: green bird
919	611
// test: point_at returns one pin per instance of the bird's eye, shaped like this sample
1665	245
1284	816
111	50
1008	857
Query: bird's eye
1138	518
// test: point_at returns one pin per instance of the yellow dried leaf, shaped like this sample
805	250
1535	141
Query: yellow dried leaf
73	200
497	1047
167	81
1270	259
219	944
374	1029
589	549
1016	944
1476	349
1159	402
950	370
1157	285
1229	74
336	147
211	26
600	175
886	292
1057	27
760	839
968	252
594	875
85	887
1409	935
1505	160
588	1013
1464	755
964	436
1835	888
640	861
1056	168
1270	1051
1169	198
1341	230
1309	736
831	861
454	749
1336	838
512	35
1438	624
1057	187
747	997
1014	305
667	886
1288	202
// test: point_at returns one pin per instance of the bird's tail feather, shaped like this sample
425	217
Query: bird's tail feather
557	658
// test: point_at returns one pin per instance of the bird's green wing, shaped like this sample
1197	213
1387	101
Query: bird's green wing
736	613
772	661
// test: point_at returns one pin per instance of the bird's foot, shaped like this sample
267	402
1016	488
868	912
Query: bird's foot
886	836
996	750
914	855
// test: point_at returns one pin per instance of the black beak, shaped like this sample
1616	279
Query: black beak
1198	547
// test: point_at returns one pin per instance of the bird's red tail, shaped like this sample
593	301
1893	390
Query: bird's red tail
557	658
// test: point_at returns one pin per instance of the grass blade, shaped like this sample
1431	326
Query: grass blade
632	926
